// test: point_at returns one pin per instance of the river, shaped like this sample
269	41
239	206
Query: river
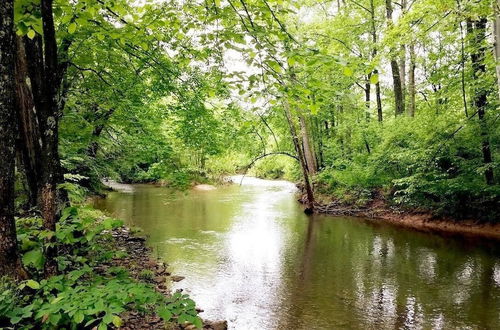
250	256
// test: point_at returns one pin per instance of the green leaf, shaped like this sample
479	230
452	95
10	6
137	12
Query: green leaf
34	257
78	317
31	34
348	71
198	323
117	321
56	300
15	319
55	318
72	28
314	109
165	314
33	284
108	318
374	79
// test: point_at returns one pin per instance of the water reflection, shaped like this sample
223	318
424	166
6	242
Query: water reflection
251	256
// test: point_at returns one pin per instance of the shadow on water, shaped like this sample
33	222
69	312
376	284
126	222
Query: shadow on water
252	257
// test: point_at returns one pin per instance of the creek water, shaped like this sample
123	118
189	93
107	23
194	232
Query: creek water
250	256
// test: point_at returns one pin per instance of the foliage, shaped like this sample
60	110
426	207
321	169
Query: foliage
83	294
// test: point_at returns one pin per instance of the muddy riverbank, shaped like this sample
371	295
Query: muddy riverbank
379	210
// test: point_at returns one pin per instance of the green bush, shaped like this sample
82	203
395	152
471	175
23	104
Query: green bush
84	294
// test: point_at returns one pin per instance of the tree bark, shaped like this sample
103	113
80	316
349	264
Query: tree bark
29	134
10	264
480	99
411	81
308	147
49	125
402	62
303	165
496	25
374	54
367	96
396	76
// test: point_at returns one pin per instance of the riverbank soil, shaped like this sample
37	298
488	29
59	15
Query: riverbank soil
143	267
379	209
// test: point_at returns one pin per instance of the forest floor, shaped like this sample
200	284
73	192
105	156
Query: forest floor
379	209
138	262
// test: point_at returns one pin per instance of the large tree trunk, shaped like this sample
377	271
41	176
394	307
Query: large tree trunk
374	54
303	165
29	134
411	81
496	25
49	120
10	263
480	99
396	76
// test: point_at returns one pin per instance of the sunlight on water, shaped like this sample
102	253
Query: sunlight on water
252	257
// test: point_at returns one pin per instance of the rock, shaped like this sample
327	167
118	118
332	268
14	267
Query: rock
215	325
159	279
204	187
176	278
135	239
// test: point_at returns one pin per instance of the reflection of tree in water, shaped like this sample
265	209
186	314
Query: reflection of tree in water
390	279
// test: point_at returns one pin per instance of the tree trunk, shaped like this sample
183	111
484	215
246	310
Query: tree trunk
49	125
374	54
496	25
379	99
298	148
29	146
462	67
402	62
308	147
96	132
480	99
411	81
367	97
319	143
10	263
396	76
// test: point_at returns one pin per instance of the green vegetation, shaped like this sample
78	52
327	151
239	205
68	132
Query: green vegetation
85	293
355	99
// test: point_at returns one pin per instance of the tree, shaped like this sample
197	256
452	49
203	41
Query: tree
396	74
374	54
477	31
10	263
411	81
29	132
496	30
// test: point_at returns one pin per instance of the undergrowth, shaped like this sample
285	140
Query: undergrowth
84	294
